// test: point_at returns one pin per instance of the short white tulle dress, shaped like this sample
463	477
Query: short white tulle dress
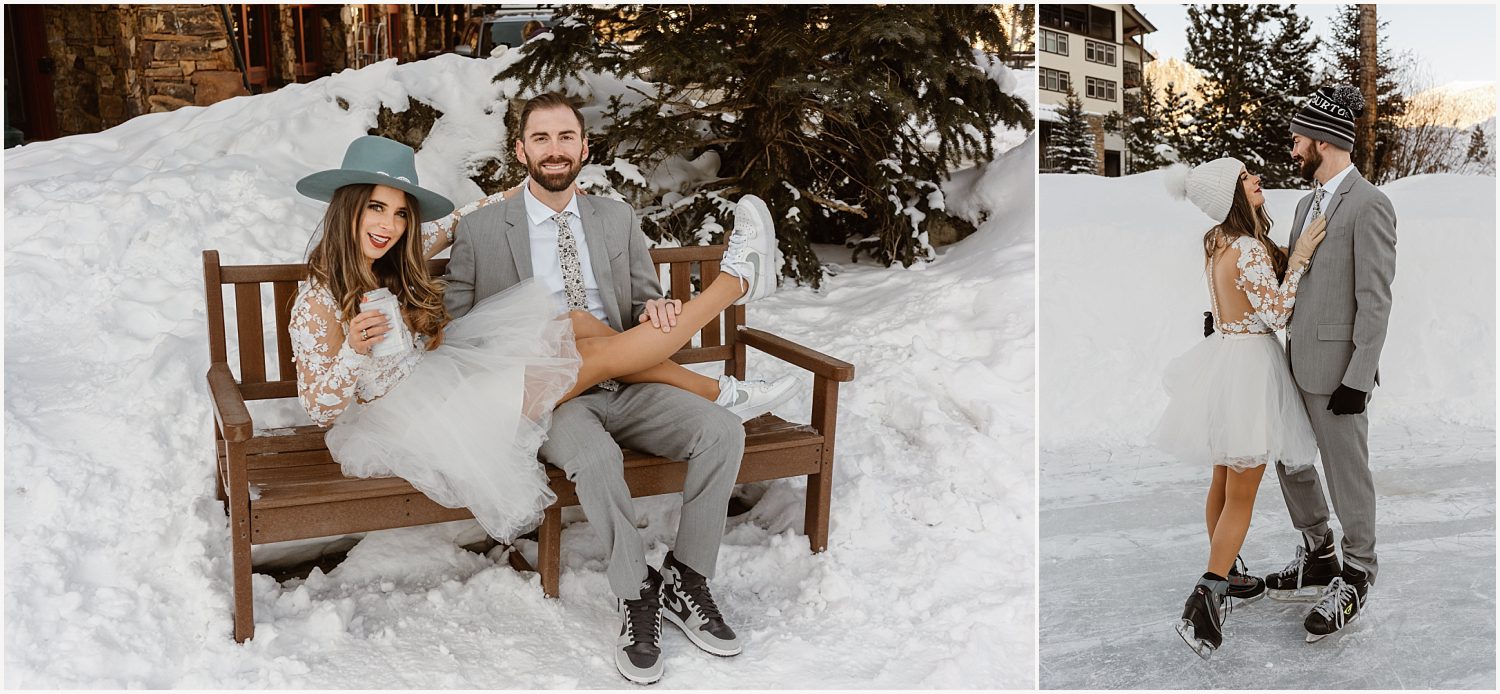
462	423
1233	400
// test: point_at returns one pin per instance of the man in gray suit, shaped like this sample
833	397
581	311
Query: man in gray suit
610	274
1336	333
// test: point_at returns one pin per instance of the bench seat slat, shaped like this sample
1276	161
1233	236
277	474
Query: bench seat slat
769	441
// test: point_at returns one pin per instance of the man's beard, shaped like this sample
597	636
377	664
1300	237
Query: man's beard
1310	164
557	182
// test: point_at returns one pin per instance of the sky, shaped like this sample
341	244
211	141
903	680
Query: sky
1463	51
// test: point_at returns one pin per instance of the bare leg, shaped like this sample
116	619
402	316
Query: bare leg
585	325
1234	522
645	346
1215	504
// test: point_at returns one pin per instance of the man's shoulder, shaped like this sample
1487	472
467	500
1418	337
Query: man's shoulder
490	212
608	207
1369	193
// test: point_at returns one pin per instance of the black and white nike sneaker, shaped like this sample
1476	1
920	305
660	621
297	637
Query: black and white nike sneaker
1244	588
1307	574
686	602
1202	623
1340	605
638	648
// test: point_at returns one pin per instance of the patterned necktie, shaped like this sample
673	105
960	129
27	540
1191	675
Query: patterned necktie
572	272
572	269
1317	206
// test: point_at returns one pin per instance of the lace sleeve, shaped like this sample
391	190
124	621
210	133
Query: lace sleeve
1272	302
439	234
327	367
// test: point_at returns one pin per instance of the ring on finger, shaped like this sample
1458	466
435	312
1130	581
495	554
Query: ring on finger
364	334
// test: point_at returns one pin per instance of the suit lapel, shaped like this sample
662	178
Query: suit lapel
1301	217
518	236
1338	195
599	258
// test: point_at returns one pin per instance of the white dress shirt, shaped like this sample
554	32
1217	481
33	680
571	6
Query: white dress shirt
545	266
1329	188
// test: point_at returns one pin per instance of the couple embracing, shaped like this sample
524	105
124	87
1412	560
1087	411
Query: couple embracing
1241	402
458	383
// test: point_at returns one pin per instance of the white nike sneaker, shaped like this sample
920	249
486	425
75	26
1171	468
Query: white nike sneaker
751	399
751	254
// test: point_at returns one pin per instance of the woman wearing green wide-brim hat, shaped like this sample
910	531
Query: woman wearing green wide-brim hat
461	408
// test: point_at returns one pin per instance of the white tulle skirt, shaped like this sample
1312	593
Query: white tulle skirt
465	425
1233	403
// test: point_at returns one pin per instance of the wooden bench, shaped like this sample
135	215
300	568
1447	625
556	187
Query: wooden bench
282	484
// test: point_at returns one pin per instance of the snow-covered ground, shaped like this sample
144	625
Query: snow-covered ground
116	552
1122	537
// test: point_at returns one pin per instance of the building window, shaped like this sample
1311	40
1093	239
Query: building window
1054	42
1044	132
1054	80
1132	75
1085	20
1096	52
1095	88
1101	23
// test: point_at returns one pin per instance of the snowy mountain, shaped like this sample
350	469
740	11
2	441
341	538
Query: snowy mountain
1457	104
117	566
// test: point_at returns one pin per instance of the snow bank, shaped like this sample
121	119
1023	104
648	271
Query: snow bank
117	569
1122	293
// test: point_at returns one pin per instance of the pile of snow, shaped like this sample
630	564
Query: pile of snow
1123	293
117	553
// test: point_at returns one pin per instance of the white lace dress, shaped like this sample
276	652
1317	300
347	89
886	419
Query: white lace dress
461	423
1233	400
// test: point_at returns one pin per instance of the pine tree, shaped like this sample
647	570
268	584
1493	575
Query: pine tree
1071	150
1343	67
845	119
1142	127
1177	121
1257	61
1478	155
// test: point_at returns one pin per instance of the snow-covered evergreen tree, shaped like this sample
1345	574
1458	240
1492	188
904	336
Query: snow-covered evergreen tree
1344	66
1258	65
847	118
1071	149
1142	128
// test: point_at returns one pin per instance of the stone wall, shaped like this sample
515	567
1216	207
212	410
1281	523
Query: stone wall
115	62
184	52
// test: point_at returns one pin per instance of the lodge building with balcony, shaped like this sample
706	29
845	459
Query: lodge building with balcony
1099	52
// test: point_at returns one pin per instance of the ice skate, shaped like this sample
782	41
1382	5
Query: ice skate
1340	605
1307	574
1244	588
1202	623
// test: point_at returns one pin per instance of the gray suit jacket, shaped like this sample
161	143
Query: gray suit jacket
492	252
1344	301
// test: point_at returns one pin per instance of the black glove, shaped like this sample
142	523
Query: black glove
1208	323
1346	400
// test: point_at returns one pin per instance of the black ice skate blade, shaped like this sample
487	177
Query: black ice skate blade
1203	648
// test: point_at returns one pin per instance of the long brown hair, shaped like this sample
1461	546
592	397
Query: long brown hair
1245	220
339	264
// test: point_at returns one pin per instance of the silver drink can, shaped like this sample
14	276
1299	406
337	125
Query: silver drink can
398	340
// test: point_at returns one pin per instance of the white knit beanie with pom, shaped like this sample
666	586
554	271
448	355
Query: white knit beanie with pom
1210	186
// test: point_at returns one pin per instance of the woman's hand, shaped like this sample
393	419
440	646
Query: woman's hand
367	330
1308	242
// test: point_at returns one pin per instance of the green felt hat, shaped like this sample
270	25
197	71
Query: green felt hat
382	161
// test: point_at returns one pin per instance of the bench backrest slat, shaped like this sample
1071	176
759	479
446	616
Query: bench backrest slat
252	345
717	341
283	294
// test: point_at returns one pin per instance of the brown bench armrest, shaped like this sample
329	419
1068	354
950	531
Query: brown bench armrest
229	404
797	355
